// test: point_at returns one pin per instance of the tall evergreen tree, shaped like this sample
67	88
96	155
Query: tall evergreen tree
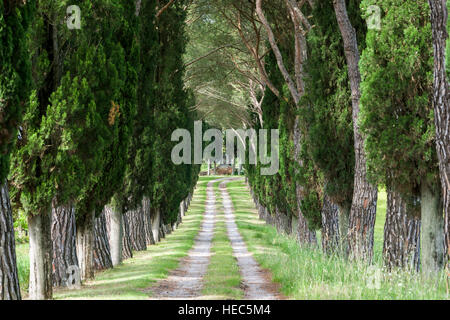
440	26
364	201
15	85
398	116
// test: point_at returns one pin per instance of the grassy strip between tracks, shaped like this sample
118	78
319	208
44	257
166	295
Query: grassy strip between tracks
222	280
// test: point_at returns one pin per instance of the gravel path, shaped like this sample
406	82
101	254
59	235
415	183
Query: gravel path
186	281
257	282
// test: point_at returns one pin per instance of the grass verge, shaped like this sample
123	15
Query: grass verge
307	273
132	279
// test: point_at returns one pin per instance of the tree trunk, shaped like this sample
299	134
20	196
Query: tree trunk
439	16
147	222
364	204
282	222
85	246
9	280
114	221
101	251
64	241
156	221
304	235
209	167
401	248
344	217
39	228
330	227
127	247
137	229
183	208
432	233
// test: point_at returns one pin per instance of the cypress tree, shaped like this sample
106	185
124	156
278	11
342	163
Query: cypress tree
398	116
15	85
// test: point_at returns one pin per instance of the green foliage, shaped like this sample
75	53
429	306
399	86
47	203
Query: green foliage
76	126
327	110
137	182
15	74
169	183
396	108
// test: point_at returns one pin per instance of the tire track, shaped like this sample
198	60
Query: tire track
186	282
256	282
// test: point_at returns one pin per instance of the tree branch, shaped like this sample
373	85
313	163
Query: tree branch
160	12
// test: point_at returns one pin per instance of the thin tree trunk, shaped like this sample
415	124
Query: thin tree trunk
114	222
330	227
304	235
183	208
432	233
135	219
147	222
439	16
156	221
364	204
9	280
39	227
127	247
101	250
401	248
64	242
344	218
283	222
85	246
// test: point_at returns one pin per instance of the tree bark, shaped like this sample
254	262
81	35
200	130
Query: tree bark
85	246
330	227
135	219
9	280
344	220
439	16
432	233
156	221
127	247
64	241
183	208
114	222
147	222
364	204
39	228
303	234
282	222
401	248
101	250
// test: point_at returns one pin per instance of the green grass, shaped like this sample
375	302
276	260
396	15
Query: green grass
222	280
23	266
309	274
132	279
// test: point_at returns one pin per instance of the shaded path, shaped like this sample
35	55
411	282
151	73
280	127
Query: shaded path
256	281
186	281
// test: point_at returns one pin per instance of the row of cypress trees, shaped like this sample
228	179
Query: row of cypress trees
315	185
95	108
